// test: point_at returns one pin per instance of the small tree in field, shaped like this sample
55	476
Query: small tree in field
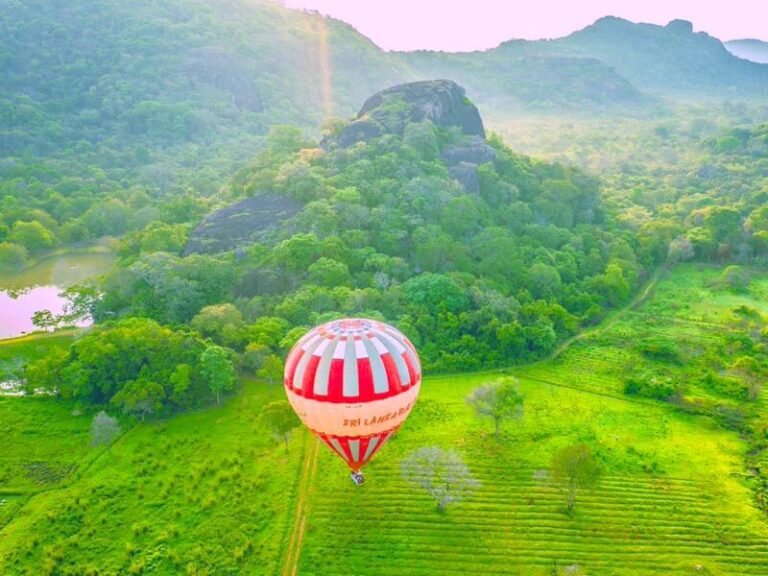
442	473
218	370
572	468
280	418
498	400
104	429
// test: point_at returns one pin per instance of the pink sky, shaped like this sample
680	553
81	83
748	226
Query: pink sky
477	24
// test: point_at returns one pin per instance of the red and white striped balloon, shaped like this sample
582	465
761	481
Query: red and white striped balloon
353	382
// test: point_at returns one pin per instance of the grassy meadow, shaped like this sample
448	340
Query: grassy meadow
211	493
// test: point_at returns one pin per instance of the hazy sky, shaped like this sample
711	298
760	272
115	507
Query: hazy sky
478	24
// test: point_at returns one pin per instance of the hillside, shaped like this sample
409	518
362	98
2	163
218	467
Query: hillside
754	50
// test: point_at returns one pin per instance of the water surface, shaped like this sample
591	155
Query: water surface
38	288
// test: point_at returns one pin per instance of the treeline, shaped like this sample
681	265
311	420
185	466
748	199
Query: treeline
137	366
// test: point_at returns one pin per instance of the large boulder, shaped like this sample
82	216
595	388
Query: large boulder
473	150
443	102
251	220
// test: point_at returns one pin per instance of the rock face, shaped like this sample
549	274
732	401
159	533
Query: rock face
464	159
388	112
474	151
248	221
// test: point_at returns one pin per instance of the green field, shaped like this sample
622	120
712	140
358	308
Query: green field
211	493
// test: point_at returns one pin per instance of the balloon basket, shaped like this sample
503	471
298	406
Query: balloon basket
357	477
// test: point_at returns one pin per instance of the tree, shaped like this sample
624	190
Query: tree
543	280
498	400
140	397
33	235
217	370
572	468
680	250
328	272
104	429
441	473
271	370
253	357
280	418
222	322
44	319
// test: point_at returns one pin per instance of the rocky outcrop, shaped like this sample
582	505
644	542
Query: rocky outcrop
463	160
465	173
474	150
443	102
251	220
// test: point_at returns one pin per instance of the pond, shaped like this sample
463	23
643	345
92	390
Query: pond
38	288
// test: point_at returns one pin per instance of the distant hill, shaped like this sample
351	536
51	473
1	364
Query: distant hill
612	64
665	60
754	50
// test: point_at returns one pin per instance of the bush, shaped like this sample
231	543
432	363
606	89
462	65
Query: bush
660	350
649	385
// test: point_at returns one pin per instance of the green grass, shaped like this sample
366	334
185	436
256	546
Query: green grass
34	346
203	493
209	492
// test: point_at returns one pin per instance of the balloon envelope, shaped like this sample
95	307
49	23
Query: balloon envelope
353	382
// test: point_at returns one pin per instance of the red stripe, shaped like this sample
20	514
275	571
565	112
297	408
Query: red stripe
364	378
364	443
412	372
293	362
393	377
336	381
308	382
345	446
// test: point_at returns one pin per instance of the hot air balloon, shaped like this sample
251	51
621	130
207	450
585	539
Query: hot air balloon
353	382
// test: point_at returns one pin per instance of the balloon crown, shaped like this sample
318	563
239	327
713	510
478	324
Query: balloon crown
349	326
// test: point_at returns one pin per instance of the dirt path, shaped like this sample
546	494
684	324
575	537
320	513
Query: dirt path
306	485
611	318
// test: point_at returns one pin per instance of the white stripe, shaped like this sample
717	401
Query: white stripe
380	348
371	447
341	347
354	447
310	342
395	342
360	350
338	448
323	345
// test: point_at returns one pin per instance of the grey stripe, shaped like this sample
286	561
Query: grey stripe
339	449
324	369
354	447
397	356
380	384
351	387
408	350
298	376
371	447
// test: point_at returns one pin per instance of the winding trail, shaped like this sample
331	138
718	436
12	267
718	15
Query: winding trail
611	318
306	485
